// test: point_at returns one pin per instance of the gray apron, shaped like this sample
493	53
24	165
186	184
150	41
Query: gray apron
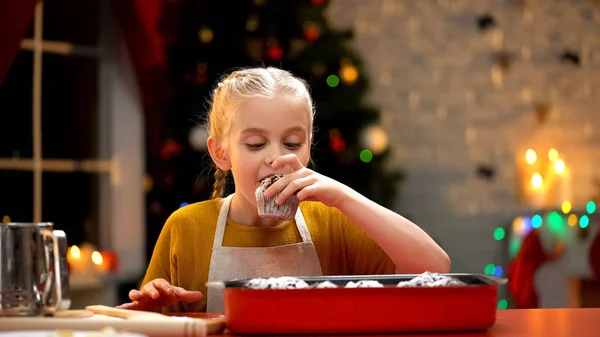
297	259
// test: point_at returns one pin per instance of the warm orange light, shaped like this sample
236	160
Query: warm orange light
553	155
566	207
518	224
536	180
530	156
559	166
572	220
97	258
74	252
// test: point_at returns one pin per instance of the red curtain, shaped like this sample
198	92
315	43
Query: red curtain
15	17
146	26
140	25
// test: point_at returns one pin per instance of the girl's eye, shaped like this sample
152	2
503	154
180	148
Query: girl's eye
293	145
255	146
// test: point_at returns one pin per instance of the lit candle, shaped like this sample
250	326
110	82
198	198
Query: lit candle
536	192
101	266
77	264
79	259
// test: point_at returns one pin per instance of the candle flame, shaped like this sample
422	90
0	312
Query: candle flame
559	166
530	156
536	180
75	252
97	258
553	155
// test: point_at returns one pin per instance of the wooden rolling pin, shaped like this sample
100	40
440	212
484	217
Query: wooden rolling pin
157	328
212	325
72	314
125	313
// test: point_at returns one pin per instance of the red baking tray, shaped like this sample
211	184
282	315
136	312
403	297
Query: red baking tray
389	309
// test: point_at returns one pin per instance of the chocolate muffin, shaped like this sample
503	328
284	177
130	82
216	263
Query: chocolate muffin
268	208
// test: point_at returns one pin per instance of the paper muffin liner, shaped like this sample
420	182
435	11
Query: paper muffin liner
268	208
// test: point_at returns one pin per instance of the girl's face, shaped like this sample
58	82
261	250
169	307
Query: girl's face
263	130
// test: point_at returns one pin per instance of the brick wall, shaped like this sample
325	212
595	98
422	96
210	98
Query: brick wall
432	75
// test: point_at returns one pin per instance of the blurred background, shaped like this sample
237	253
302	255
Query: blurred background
473	118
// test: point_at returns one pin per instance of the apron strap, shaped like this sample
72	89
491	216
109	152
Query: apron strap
302	227
222	222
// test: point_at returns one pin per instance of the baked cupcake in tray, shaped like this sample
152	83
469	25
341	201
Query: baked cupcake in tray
268	208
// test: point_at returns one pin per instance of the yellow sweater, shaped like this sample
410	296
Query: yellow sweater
184	248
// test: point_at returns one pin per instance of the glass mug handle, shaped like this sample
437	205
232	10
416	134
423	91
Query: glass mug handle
46	233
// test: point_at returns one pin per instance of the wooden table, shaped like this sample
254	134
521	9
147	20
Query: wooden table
530	323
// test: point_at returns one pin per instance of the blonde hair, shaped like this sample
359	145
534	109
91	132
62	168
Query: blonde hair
243	85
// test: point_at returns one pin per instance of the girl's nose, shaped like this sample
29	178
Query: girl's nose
270	159
273	154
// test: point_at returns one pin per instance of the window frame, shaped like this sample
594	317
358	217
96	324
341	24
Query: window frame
121	196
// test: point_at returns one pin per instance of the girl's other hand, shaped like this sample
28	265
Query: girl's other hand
157	294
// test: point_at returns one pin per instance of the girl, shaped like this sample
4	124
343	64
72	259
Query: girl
260	124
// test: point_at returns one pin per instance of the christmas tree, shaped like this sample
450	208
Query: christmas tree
216	37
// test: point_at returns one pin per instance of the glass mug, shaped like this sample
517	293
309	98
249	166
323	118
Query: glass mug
30	269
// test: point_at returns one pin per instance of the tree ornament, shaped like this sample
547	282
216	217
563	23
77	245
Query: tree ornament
311	31
318	69
374	138
252	23
205	35
348	72
148	183
170	149
197	137
255	48
336	142
274	50
201	74
297	46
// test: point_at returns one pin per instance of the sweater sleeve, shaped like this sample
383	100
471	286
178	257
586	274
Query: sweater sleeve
364	256
161	263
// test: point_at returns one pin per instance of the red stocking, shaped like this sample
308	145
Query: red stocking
521	276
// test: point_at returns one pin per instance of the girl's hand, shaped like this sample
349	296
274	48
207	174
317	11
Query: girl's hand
308	184
157	294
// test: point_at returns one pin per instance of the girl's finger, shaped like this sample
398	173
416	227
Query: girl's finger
164	286
135	295
188	296
150	290
307	193
130	306
295	186
280	184
288	159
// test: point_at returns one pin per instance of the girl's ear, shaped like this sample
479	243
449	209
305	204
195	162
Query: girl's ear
218	154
